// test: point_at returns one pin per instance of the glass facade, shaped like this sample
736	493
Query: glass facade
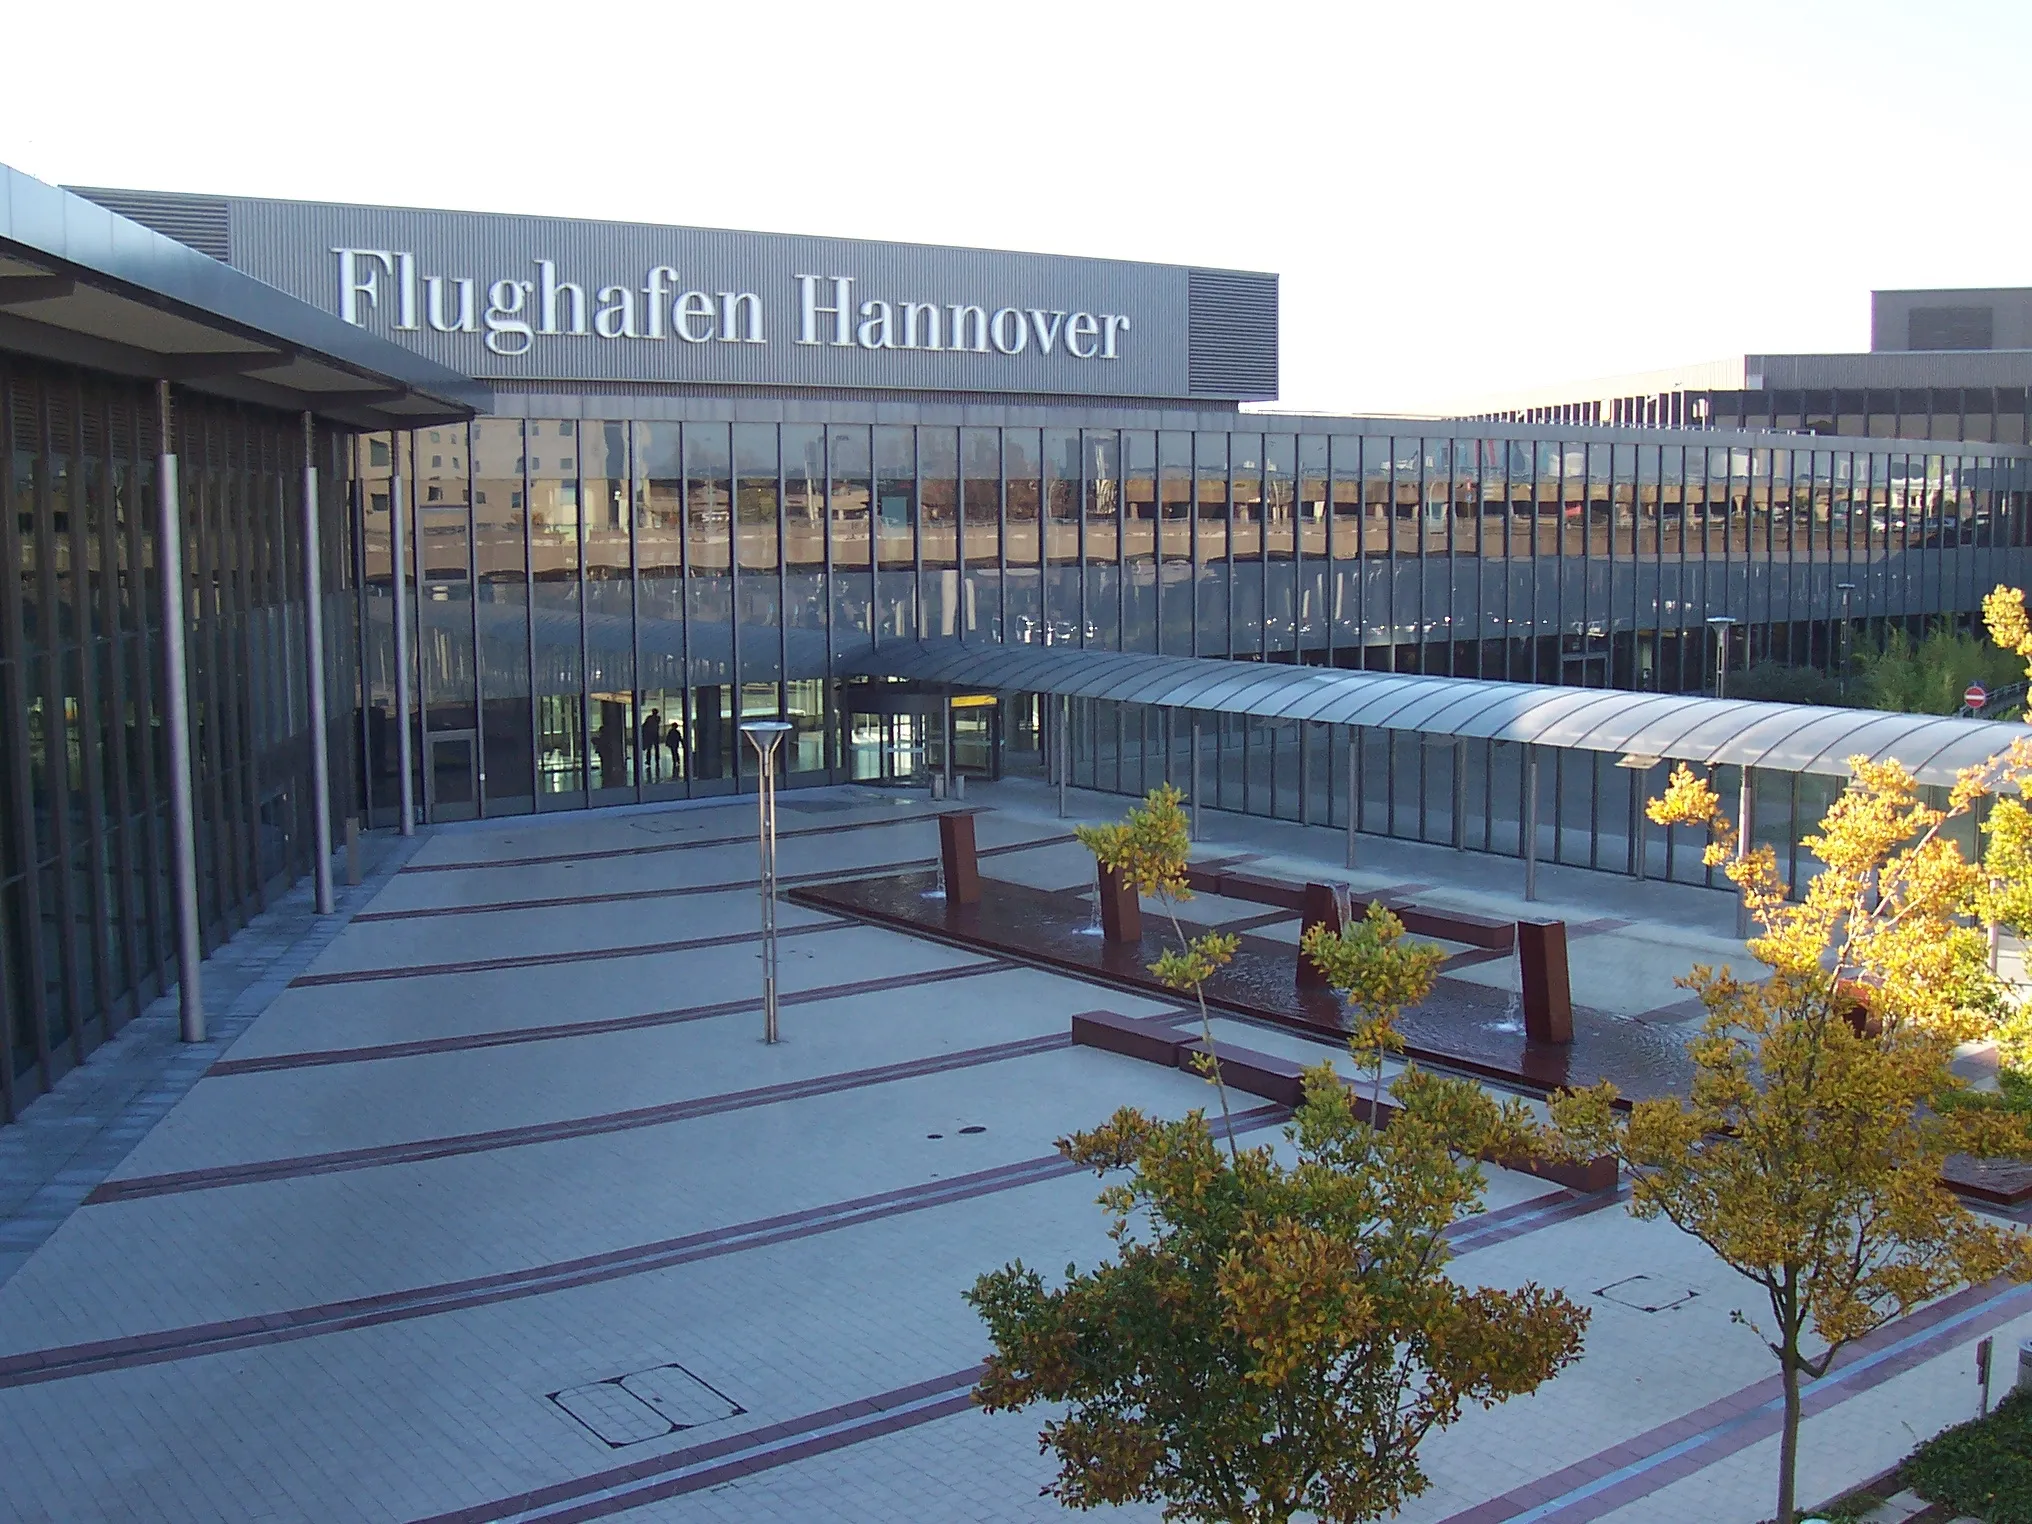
86	926
597	603
669	578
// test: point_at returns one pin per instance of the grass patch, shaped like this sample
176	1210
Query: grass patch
1983	1467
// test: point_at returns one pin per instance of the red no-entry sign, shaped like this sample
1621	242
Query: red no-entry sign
1977	696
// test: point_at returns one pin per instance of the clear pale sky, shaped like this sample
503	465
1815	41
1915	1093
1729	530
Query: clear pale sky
1459	196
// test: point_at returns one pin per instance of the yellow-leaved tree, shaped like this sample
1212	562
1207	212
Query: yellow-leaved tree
1273	1336
1808	1155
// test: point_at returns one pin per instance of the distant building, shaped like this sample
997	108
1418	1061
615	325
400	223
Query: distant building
1941	365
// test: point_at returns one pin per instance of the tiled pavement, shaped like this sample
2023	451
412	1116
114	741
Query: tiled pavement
460	1170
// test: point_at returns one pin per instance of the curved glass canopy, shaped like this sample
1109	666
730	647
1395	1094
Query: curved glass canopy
1793	738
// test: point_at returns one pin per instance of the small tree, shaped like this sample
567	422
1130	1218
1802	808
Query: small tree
1148	850
1272	1338
1808	1154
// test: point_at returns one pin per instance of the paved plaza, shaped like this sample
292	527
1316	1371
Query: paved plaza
489	1204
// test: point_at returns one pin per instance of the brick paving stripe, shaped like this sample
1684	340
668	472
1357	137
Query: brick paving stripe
1650	1461
538	960
727	886
417	1151
63	1362
656	848
655	1478
503	1037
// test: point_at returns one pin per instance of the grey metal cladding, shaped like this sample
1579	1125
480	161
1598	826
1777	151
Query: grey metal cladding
1234	334
1073	327
197	222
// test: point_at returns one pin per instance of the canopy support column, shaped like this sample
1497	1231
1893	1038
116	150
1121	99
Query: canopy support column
1746	802
176	725
399	578
314	673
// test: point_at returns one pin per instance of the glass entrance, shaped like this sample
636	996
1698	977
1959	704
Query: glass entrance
886	748
451	777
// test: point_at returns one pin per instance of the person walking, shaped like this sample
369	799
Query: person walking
674	739
650	739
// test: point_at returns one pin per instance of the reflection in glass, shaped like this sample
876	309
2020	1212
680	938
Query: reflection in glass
554	531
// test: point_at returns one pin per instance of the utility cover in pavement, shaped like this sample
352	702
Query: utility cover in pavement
628	1410
1645	1294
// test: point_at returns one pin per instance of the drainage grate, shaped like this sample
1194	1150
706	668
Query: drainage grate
1644	1294
628	1410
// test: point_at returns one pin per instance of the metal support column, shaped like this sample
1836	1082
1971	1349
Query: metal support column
945	708
1746	802
1460	796
400	583
314	687
176	724
1064	748
1354	789
1195	778
1531	824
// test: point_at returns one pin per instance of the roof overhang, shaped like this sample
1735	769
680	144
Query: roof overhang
85	287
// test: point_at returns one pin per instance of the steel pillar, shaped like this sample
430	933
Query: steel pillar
176	725
314	673
399	579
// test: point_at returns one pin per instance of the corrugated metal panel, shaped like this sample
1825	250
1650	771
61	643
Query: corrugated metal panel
197	222
1234	334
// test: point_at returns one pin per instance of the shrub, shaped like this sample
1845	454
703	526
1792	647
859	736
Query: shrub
1983	1467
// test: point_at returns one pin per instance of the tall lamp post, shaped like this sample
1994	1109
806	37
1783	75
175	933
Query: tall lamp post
1721	624
1848	591
765	736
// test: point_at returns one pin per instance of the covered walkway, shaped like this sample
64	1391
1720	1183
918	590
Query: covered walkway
1536	772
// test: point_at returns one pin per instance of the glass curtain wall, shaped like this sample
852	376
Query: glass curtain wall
86	927
600	603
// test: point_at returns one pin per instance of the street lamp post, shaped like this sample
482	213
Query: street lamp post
1848	591
1721	624
765	736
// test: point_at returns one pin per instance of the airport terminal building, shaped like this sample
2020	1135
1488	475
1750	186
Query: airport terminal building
723	473
282	561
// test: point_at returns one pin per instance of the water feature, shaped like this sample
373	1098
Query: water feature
1512	1019
1093	925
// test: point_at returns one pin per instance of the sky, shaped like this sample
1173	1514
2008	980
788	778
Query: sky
1460	197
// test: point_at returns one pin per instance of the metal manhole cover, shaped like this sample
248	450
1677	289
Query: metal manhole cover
1644	1293
645	1405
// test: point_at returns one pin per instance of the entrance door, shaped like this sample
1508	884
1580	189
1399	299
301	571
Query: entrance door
451	774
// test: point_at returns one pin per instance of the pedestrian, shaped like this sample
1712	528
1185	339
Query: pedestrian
652	733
